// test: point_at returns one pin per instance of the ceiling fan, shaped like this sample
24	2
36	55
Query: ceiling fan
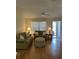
45	13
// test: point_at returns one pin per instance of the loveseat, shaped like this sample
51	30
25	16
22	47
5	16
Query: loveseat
22	41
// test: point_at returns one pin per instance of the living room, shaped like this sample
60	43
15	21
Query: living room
38	29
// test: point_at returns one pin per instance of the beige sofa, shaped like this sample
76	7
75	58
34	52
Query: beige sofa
23	43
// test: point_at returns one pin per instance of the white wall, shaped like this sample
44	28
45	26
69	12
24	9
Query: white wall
19	20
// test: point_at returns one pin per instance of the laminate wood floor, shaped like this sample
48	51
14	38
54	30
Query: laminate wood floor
52	50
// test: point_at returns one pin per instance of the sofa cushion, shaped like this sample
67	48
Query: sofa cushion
21	37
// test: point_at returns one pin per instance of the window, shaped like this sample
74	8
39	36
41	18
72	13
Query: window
38	26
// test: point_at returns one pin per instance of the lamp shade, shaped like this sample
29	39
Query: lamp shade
49	28
28	29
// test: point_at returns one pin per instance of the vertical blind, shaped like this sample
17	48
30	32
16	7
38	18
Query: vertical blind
39	26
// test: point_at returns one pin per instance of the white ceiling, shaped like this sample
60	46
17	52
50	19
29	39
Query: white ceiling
36	7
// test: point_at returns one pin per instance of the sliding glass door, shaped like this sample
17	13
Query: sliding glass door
54	28
57	29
